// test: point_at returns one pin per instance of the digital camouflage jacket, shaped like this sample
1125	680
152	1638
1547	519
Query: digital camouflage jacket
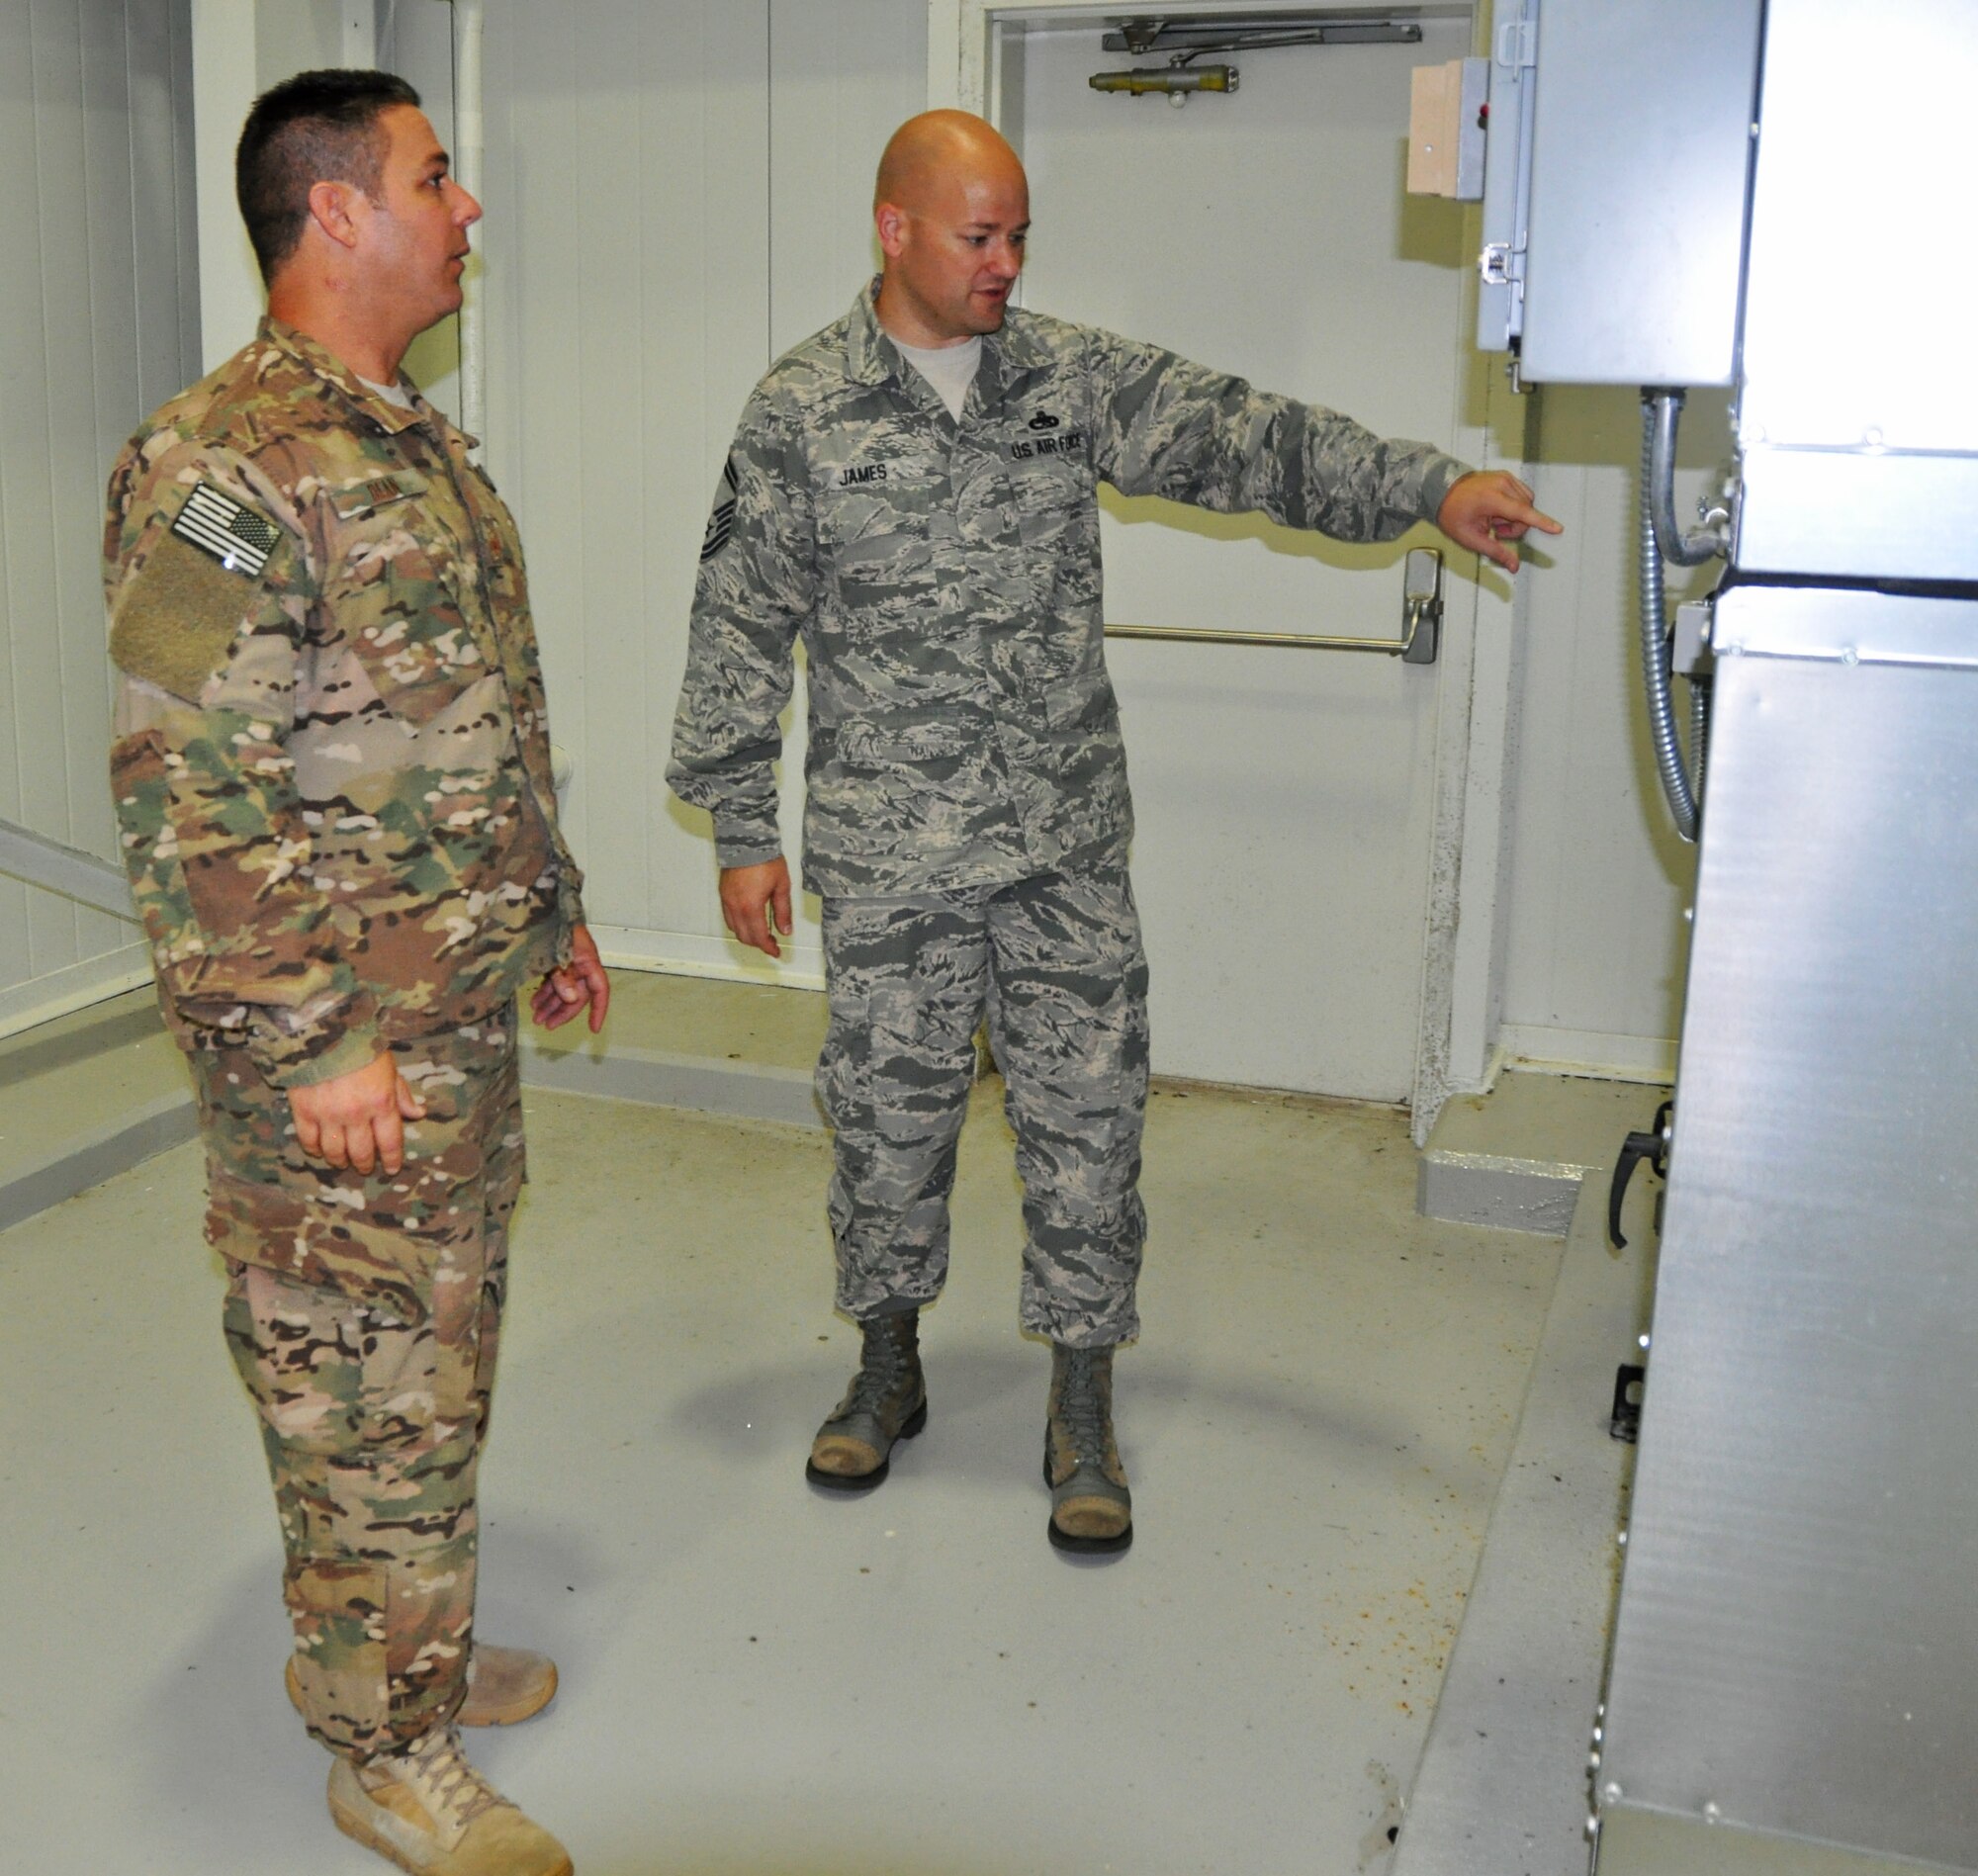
331	759
945	579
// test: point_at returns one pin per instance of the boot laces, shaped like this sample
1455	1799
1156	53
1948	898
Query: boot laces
1081	1407
449	1787
884	1364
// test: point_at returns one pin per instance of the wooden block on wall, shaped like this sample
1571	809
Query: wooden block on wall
1435	96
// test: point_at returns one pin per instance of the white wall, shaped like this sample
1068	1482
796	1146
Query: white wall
677	191
1596	944
98	322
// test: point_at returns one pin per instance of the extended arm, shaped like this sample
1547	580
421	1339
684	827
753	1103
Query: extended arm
1169	427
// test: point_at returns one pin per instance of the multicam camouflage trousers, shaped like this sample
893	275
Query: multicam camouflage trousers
364	1315
1056	963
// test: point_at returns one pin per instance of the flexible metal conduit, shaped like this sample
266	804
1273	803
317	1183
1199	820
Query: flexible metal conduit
1676	786
1679	549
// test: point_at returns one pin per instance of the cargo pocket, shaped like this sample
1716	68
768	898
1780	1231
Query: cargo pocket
1084	702
337	1608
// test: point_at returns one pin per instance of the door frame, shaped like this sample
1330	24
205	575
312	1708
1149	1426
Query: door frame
975	62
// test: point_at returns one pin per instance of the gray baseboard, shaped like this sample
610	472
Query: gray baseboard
740	1090
102	1153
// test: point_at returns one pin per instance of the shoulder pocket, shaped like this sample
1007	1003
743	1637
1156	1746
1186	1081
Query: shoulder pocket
179	612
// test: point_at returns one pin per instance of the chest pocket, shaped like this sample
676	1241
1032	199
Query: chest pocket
400	605
1051	496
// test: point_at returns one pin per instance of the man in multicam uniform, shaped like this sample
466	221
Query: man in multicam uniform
333	776
913	492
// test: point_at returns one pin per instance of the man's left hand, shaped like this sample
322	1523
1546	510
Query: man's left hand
562	993
1487	508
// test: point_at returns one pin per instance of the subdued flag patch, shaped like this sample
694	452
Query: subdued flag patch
235	536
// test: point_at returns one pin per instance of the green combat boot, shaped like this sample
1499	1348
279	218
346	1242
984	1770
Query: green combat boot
886	1401
1091	1507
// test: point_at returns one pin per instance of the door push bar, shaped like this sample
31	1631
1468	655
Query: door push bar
41	862
1421	622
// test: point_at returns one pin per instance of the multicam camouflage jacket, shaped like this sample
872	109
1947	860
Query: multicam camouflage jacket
945	579
331	758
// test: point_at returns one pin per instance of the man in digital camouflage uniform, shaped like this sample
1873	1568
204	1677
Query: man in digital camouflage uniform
332	776
913	492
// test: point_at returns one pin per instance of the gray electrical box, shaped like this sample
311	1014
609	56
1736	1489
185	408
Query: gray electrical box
1640	157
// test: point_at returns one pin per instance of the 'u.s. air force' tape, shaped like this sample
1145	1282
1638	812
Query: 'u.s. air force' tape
238	538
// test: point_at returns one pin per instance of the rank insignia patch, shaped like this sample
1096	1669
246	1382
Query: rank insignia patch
238	538
721	521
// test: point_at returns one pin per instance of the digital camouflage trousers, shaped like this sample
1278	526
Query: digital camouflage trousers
364	1315
1056	966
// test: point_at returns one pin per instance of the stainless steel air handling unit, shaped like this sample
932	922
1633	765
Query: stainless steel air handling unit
1770	198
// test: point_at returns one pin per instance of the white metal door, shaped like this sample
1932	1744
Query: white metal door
1285	797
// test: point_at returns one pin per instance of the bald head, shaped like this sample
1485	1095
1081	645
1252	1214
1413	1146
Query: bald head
953	211
938	146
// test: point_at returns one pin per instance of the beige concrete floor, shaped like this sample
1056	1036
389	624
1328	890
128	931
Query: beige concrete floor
759	1679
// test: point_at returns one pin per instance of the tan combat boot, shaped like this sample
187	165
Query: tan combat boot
1091	1507
886	1401
503	1685
428	1810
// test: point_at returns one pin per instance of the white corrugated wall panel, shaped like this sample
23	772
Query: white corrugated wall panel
1598	943
98	313
843	77
677	189
626	248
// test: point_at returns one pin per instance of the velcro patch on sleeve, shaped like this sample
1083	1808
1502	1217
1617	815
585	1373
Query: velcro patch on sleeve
177	617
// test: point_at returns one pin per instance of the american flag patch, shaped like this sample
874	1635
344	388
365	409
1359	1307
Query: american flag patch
238	538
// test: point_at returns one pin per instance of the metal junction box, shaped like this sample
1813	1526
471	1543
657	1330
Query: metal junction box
1640	162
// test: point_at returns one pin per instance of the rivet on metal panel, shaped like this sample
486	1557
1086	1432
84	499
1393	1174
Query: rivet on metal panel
1621	1537
1849	655
1713	1812
1610	1793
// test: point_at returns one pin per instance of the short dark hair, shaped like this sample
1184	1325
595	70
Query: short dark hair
317	127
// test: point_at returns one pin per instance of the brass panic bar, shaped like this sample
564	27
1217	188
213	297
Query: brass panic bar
1292	640
1421	622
